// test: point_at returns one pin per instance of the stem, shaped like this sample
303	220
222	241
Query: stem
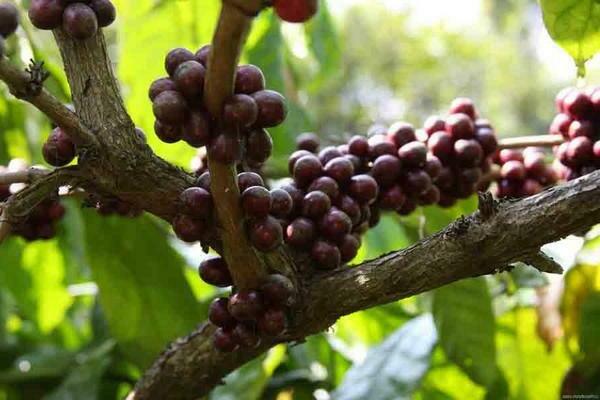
232	29
526	141
26	176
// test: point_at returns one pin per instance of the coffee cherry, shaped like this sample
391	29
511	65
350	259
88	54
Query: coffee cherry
170	107
246	335
189	78
249	79
9	19
273	322
363	188
196	131
535	164
580	150
413	154
214	271
460	126
380	145
392	198
219	315
469	176
349	246
434	124
225	149
300	233
271	108
468	152
530	187
487	140
79	21
433	166
240	110
168	133
175	58
203	181
577	104
315	204
202	55
386	170
506	155
249	179
187	228
350	207
326	185
278	290
196	202
596	149
266	234
256	201
581	128
46	14
282	203
335	224
159	86
59	149
465	106
560	125
295	156
358	146
445	179
246	305
224	341
416	182
430	196
328	154
407	208
441	145
105	12
295	10
308	141
401	133
326	255
560	98
307	169
513	170
359	164
259	145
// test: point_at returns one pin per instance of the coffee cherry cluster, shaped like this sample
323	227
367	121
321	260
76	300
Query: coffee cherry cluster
181	115
295	10
578	122
9	22
464	144
40	224
80	19
523	173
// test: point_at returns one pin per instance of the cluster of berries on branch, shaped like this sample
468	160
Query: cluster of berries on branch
523	173
80	19
9	22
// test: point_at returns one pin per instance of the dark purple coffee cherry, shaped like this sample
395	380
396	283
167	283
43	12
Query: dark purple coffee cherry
308	141
105	12
380	145
408	207
359	146
272	322
256	201
460	126
468	152
187	228
401	133
295	156
469	176
413	154
225	149
46	14
224	340
486	138
203	181
530	187
328	154
392	198
307	169
249	79
175	58
465	106
416	182
246	305
326	185
350	207
580	150
300	233
170	108
282	203
246	335
219	315
278	290
168	133
506	155
160	85
196	131
434	124
202	55
513	170
259	145
363	188
266	234
249	179
430	196
581	128
433	166
315	204
386	170
240	110
189	78
341	169
271	108
59	149
196	202
578	104
560	125
80	21
9	19
214	271
335	224
296	194
326	255
441	145
349	246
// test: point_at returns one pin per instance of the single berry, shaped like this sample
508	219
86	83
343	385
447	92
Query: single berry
315	204
295	10
401	133
326	185
196	202
202	55
358	146
326	255
160	85
513	170
468	152
363	188
175	58
486	138
328	154
246	335
9	19
225	149
350	207
249	79
441	145
266	234
240	110
434	124
392	198
187	228
335	224
271	108
46	14
386	170
430	196
581	128
349	246
465	106
168	133
469	175
578	104
80	21
278	290
296	194
246	305
224	340
256	202
170	107
433	166
307	169
295	156
249	179
560	98
460	126
219	315
282	203
416	182
59	149
105	12
189	78
214	271
308	141
413	154
196	131
560	125
580	150
300	233
273	322
259	145
506	155
380	145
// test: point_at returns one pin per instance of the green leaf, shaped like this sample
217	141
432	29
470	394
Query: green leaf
575	26
43	363
392	370
526	276
143	292
324	43
589	330
465	322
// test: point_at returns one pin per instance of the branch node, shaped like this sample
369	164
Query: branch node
37	76
543	263
487	205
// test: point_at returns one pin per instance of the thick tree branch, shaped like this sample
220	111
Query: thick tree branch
470	247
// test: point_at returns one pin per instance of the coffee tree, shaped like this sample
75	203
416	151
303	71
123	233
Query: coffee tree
285	254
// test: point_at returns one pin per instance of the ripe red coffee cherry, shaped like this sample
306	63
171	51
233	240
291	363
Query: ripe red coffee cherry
326	185
430	196
380	145
295	156
196	202
196	131
272	322
256	201
271	108
315	204
560	125
465	106
580	150
219	315
202	55
278	290
530	187
160	85
249	179
441	145
308	141
416	182
168	133
535	164
246	305
176	57
259	145
392	198
79	21
386	170
341	169
468	152
401	133
328	154
307	169
326	255
513	170
224	341
59	149
46	14
350	207
105	12
560	98
596	149
9	19
266	234
189	78
249	79
363	188
187	228
359	146
349	246
170	107
203	181
506	155
486	138
433	166
295	10
578	104
225	149
296	194
246	335
469	176
282	203
581	128
300	233
240	110
214	271
413	154
434	124
335	224
460	126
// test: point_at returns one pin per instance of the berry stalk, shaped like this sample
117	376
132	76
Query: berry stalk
530	141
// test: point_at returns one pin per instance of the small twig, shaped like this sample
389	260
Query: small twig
37	76
543	263
534	141
26	176
487	205
5	229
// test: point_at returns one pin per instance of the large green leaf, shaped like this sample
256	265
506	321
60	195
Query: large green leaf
465	322
575	26
324	43
589	330
393	369
143	292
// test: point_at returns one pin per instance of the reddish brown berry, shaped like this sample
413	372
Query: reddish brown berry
159	86
326	255
308	141
413	154
202	55
224	340
386	170
249	79
295	10
170	107
240	110
246	305
196	202
278	290
335	224
79	21
358	146
175	58
189	78
168	133
401	133
300	233
46	14
282	203
460	126
9	19
349	246
465	106
326	185
225	149
246	335
256	201
214	271
266	234
271	108
363	188
249	179
307	169
187	228
259	145
219	315
105	12
59	149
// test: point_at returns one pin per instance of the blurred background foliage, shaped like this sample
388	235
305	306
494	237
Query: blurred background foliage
82	315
